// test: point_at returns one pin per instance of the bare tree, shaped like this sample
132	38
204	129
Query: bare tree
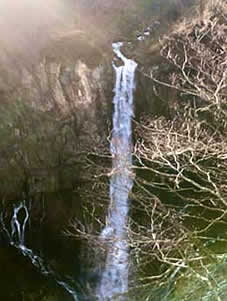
181	160
179	200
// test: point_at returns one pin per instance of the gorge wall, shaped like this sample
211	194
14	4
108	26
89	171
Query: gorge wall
56	91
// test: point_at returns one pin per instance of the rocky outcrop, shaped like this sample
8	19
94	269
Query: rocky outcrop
53	110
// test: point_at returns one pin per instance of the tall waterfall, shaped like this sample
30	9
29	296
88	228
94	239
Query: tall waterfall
114	281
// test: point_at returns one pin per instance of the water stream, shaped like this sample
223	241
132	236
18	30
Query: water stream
16	238
114	281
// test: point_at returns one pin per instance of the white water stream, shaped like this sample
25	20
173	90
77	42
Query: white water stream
114	281
16	237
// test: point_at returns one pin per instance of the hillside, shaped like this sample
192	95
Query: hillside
56	91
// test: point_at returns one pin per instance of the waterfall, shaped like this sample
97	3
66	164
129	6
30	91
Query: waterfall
16	237
17	228
114	280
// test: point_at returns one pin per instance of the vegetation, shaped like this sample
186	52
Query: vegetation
178	223
181	161
177	228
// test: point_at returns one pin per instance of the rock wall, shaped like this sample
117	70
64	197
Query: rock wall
54	111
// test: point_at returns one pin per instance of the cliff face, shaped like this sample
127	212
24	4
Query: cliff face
53	109
68	88
48	58
56	84
56	106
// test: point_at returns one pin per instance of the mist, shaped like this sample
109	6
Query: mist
26	26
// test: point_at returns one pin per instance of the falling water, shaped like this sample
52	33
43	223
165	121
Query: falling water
114	281
16	237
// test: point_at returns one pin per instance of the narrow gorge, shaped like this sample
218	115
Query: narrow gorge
113	154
